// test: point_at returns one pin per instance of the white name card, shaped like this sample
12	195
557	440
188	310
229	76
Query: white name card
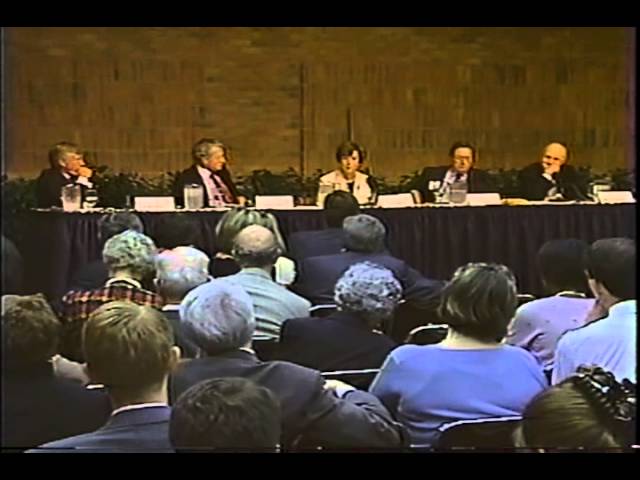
398	200
154	204
274	202
615	197
481	199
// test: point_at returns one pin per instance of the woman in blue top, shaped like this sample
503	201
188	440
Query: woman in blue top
471	374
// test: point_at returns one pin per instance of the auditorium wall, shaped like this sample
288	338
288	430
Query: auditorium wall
137	98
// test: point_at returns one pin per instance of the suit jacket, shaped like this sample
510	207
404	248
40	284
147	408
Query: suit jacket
339	341
38	407
533	186
314	243
143	430
357	420
478	181
191	175
188	348
318	277
49	185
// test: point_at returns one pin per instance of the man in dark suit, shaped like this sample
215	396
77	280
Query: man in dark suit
337	206
364	241
551	178
437	180
130	349
347	339
218	315
38	406
209	170
67	168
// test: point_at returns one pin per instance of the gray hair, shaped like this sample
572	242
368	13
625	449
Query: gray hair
363	233
180	270
132	251
256	246
218	316
369	290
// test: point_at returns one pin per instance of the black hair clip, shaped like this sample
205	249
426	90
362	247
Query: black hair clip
618	399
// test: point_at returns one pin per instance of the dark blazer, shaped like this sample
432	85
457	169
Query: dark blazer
533	186
358	420
478	181
314	243
38	407
188	348
49	185
143	430
90	276
317	277
191	175
339	341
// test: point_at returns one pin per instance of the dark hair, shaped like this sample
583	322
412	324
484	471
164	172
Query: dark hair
480	301
612	262
561	264
347	148
587	410
30	330
112	224
59	150
225	414
363	233
202	149
176	230
457	145
339	205
12	268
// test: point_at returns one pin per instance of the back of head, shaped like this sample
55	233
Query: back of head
130	251
368	290
59	150
127	346
479	301
176	230
180	270
561	264
256	247
589	410
12	268
30	331
235	220
225	414
364	233
339	205
218	316
112	224
612	262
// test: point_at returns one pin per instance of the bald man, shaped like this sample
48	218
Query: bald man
256	250
551	178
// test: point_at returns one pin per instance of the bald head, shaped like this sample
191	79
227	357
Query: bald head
256	247
554	156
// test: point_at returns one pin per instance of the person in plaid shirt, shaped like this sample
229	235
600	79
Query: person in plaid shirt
130	257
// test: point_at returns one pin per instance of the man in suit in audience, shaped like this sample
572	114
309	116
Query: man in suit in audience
67	168
37	405
461	169
312	243
551	177
226	414
364	241
349	338
12	268
256	250
178	271
609	342
95	274
218	316
129	349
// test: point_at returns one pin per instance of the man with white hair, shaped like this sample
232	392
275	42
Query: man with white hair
219	317
256	250
178	271
130	257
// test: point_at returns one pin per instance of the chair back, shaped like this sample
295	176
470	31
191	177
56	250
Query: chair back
494	433
360	379
266	349
322	310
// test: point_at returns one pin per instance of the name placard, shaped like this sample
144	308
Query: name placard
615	197
154	204
398	200
481	199
274	202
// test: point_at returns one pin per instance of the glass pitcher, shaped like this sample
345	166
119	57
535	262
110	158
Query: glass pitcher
193	196
71	196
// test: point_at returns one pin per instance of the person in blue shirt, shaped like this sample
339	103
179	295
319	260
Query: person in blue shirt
471	374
